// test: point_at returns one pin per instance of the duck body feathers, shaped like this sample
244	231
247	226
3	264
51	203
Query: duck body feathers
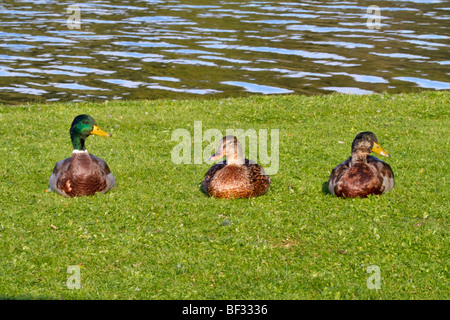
361	178
229	181
80	175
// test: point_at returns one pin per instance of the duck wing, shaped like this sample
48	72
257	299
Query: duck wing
60	167
336	175
258	178
106	172
385	172
209	176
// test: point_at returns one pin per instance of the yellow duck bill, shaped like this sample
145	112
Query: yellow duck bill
99	132
378	149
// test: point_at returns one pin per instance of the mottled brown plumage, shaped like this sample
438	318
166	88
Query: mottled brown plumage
362	175
236	177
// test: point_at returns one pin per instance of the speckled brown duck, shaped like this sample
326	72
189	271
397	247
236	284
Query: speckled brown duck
362	175
236	177
82	174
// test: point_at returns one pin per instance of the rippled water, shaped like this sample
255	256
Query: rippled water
152	49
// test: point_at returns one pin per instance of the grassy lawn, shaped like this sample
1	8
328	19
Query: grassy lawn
157	236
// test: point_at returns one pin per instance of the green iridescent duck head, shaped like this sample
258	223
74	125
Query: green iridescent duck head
82	127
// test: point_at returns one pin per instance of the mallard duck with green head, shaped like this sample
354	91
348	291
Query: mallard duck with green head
236	177
83	173
362	175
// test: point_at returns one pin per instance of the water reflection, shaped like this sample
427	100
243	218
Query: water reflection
153	49
257	88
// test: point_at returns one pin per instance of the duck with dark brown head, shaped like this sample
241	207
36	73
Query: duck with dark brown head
362	174
236	177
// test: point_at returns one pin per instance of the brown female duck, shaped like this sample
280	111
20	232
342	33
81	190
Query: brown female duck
236	177
83	173
362	175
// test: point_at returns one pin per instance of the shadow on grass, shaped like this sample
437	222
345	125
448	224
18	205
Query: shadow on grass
202	191
325	188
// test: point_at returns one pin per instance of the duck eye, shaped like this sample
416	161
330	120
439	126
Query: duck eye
84	122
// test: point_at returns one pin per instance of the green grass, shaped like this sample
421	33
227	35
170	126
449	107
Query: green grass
159	237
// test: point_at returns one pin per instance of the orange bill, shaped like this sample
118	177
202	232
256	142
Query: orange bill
216	156
99	132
